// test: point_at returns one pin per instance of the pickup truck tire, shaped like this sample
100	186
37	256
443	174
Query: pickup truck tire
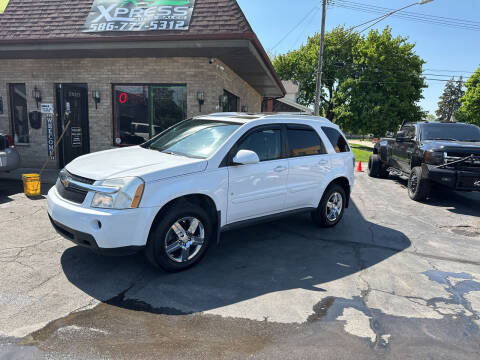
376	168
418	185
331	208
180	239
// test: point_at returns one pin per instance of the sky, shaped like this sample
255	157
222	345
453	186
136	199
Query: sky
446	50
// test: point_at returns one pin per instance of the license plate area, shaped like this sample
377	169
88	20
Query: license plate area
469	182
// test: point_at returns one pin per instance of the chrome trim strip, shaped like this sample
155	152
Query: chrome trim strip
96	188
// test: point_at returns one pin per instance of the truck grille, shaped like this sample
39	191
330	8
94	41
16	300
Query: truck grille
73	193
471	163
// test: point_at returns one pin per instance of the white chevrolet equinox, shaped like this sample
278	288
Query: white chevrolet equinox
175	194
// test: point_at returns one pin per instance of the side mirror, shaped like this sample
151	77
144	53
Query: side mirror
246	157
401	137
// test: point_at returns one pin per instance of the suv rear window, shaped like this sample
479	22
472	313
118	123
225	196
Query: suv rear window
304	142
336	139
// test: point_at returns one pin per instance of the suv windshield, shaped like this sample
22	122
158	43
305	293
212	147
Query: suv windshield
453	132
193	138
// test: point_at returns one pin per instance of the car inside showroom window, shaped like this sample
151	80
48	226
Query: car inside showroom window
143	111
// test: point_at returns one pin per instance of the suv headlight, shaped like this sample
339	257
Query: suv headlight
128	195
434	157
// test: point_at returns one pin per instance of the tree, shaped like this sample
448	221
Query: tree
429	117
450	100
470	108
370	84
301	66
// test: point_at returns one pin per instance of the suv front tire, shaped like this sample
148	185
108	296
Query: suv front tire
181	238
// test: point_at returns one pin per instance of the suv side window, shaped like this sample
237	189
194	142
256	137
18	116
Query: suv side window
267	143
336	139
304	142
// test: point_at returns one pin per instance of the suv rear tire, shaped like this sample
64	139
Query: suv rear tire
180	239
331	208
418	185
376	168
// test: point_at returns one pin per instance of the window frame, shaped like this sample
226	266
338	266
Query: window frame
115	125
12	112
307	128
228	159
330	141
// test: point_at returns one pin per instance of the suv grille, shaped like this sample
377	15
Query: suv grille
72	193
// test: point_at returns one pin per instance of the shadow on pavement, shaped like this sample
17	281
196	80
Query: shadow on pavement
10	187
458	202
268	258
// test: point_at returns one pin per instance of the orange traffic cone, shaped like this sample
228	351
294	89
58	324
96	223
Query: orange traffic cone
359	167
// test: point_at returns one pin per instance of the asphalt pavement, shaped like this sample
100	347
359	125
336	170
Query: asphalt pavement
394	280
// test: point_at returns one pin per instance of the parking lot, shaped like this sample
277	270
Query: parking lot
396	279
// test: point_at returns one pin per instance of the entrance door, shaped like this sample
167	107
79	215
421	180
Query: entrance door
72	105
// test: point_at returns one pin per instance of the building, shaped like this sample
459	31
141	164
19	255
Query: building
288	103
117	72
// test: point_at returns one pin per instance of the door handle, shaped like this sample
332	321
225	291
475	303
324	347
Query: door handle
323	162
280	169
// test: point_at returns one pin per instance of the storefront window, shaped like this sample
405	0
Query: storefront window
18	105
143	111
232	102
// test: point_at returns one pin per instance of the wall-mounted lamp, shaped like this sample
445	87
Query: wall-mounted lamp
222	100
96	97
37	95
201	100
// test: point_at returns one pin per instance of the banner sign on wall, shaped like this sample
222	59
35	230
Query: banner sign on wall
138	15
50	136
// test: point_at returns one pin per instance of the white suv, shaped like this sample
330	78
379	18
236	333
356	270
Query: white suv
175	194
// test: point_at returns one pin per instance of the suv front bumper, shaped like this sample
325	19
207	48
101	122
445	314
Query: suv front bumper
460	180
101	230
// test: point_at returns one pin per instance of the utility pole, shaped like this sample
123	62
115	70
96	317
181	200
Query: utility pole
318	92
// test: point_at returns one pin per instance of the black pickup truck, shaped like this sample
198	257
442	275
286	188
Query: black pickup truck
446	154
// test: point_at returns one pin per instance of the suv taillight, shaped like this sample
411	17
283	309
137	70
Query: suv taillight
10	142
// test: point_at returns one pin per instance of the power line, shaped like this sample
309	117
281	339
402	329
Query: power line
309	13
411	16
383	9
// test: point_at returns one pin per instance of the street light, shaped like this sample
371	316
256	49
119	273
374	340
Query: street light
322	43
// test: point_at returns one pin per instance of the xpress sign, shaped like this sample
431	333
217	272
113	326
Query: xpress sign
136	15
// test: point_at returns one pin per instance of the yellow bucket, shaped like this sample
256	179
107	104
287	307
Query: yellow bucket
31	184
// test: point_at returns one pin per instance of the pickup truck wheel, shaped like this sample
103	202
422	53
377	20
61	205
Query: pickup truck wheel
418	186
375	167
331	208
180	239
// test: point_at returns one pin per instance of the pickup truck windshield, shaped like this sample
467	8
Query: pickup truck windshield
193	138
452	132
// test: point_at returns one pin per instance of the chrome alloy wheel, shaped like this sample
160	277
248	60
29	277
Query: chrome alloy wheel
334	207
184	239
413	183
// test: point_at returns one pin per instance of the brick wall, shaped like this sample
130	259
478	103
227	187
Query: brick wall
197	73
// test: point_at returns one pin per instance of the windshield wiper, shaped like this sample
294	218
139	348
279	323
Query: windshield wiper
446	139
169	152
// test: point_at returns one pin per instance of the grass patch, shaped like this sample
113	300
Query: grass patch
362	153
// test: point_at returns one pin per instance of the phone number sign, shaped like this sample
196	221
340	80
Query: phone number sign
137	15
